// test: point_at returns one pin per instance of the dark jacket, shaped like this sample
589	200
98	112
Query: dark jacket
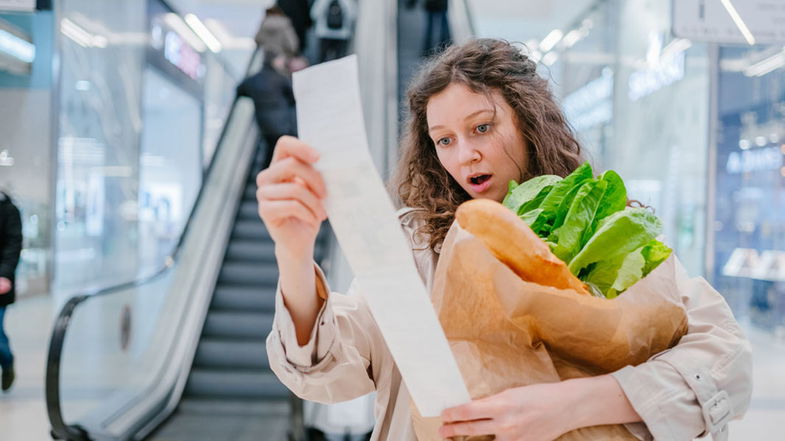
298	12
10	245
436	5
273	100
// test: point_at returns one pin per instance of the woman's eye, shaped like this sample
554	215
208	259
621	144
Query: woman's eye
483	128
443	141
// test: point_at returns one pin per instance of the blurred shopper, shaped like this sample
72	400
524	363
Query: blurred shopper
10	248
276	33
437	27
271	92
334	26
298	12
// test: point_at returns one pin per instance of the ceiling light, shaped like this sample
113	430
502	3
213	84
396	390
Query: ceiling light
550	40
203	33
178	25
17	47
571	38
766	65
745	31
675	46
80	36
550	58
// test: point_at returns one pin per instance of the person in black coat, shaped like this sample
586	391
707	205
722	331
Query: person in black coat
298	12
437	27
10	249
273	98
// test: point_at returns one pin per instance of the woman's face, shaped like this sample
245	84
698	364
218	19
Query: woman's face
476	140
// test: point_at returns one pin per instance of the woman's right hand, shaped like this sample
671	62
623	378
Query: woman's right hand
290	193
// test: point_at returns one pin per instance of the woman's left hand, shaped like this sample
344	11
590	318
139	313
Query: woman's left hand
530	413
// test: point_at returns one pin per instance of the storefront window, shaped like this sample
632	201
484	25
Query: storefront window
638	98
170	167
26	163
100	123
749	227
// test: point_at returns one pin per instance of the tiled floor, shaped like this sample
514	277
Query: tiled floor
28	323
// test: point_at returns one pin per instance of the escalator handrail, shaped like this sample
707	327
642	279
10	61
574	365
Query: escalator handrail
52	379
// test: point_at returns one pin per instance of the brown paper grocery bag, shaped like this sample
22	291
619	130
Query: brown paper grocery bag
506	332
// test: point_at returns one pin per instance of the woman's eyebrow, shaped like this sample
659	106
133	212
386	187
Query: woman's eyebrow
473	114
468	117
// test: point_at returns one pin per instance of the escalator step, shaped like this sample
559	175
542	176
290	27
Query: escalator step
222	354
226	420
264	274
248	210
234	384
250	229
245	325
250	191
251	250
244	298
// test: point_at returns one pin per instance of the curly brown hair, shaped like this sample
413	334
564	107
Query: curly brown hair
483	65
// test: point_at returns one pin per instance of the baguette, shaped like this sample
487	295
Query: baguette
515	244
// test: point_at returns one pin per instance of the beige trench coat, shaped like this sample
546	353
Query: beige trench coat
688	391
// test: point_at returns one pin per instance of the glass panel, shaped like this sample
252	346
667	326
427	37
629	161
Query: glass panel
114	347
170	171
98	142
26	164
660	127
749	227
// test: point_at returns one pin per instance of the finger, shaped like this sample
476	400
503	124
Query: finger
475	410
289	146
289	169
292	190
272	211
479	427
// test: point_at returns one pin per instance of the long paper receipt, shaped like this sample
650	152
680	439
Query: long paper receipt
329	118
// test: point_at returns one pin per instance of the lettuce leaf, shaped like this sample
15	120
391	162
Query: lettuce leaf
518	195
613	200
617	235
559	200
568	237
612	277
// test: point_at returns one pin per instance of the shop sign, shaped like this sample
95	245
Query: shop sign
177	51
710	21
768	158
591	104
753	264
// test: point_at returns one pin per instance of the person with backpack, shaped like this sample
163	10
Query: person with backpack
10	249
334	26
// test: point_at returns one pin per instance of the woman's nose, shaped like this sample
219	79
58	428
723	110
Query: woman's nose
468	153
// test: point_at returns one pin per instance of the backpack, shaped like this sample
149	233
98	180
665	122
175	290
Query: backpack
335	15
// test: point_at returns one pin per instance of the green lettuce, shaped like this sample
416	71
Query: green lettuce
587	224
559	199
518	195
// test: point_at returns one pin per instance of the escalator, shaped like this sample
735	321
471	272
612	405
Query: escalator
231	392
191	364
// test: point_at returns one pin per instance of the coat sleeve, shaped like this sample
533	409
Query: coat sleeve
336	363
700	384
11	241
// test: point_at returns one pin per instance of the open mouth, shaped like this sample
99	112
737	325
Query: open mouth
479	179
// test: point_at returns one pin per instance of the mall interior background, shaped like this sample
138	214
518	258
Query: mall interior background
108	130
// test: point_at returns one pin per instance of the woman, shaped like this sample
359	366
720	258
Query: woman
479	116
